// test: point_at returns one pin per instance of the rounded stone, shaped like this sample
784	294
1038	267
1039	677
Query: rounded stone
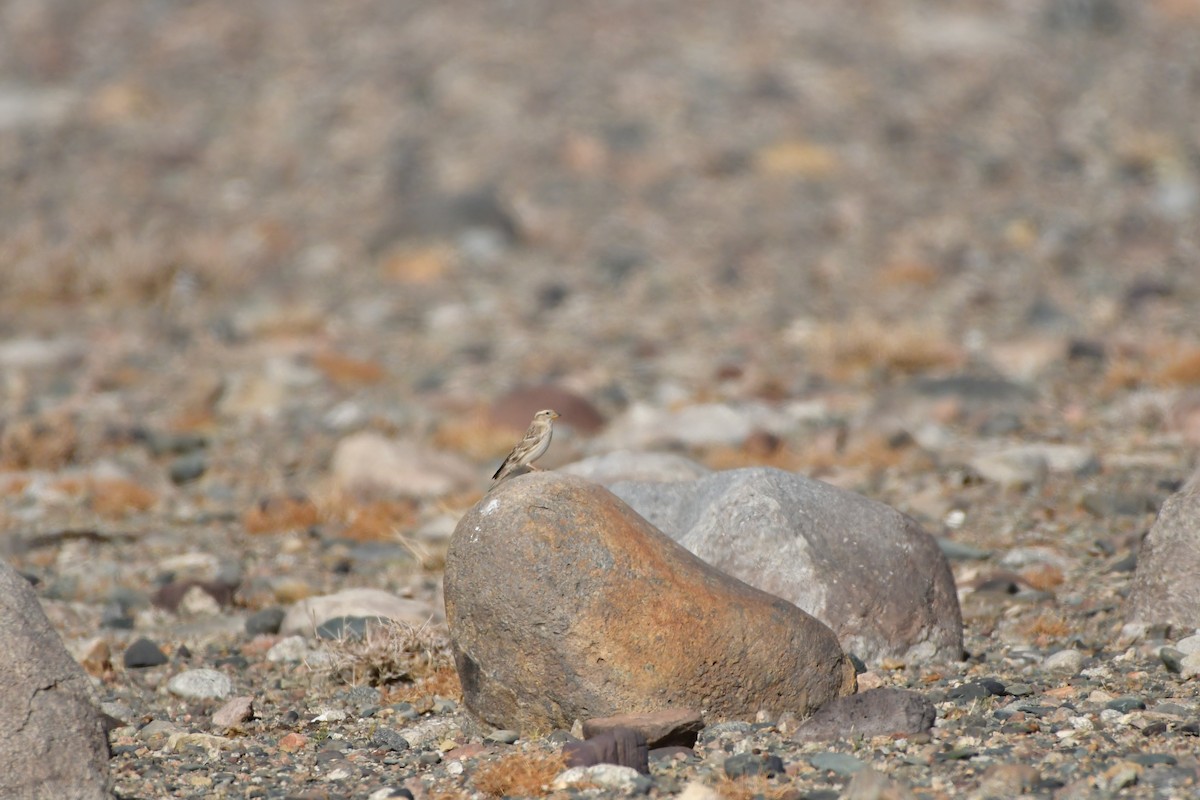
564	604
201	684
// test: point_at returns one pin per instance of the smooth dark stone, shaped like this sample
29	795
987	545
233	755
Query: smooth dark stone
1172	659
143	653
187	468
1153	759
1126	704
1155	729
266	621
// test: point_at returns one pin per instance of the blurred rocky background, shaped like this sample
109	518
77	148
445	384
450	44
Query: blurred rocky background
281	283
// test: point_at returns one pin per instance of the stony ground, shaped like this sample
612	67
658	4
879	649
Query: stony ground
913	236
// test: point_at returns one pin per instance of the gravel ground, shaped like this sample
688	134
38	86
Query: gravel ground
925	233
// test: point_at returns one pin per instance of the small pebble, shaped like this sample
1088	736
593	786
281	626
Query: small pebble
388	739
187	468
1070	661
842	764
503	737
266	621
200	684
143	653
1172	659
1126	704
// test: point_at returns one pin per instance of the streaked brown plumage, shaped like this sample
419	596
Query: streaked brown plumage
532	446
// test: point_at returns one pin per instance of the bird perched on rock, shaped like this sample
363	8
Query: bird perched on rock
531	447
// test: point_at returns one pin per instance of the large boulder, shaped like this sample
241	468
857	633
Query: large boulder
861	567
54	743
564	604
1165	589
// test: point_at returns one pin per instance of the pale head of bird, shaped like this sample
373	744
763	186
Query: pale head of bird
546	415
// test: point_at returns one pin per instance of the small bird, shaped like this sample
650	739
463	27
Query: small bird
531	447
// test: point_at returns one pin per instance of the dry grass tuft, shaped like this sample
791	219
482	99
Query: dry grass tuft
360	520
280	514
1043	577
908	273
346	371
1045	629
48	441
1124	373
390	653
755	787
1183	369
116	498
863	345
519	775
377	521
442	682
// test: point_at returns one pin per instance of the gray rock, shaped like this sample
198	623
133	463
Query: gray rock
1172	659
746	764
289	649
1029	464
267	621
609	615
54	743
143	653
606	776
187	468
645	427
371	463
866	570
200	684
389	739
842	764
1189	666
877	712
669	727
305	616
1069	661
1189	644
1164	589
235	711
632	465
156	732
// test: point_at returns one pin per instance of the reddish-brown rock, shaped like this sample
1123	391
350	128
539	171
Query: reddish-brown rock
564	604
666	728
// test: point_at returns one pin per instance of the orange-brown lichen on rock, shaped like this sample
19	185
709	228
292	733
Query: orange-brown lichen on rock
564	604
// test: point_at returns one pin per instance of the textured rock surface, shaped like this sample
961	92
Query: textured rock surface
866	570
878	712
54	743
563	603
666	728
625	747
306	615
1165	589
